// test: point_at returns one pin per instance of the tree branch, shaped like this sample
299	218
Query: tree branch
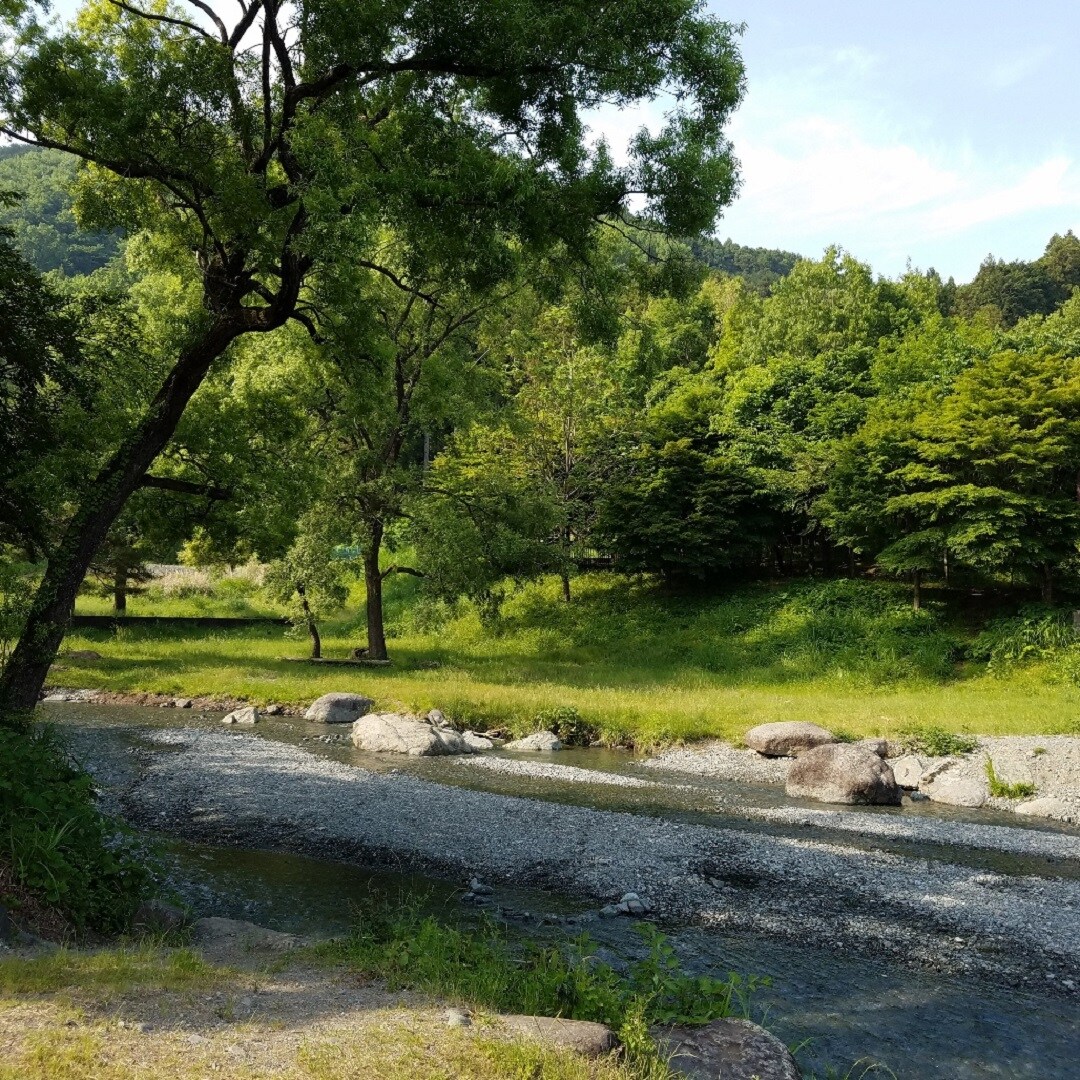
185	487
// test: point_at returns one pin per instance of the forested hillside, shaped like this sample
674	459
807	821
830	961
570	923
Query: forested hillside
40	216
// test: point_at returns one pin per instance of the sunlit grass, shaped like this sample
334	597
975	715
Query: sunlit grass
638	666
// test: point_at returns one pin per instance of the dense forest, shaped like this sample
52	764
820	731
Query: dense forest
703	412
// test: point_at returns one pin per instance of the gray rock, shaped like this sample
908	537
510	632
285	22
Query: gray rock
248	715
1050	806
275	710
843	773
438	718
231	937
955	789
539	742
479	888
477	743
402	733
458	1018
582	1036
731	1049
338	708
786	739
182	703
157	917
918	796
908	771
876	745
609	911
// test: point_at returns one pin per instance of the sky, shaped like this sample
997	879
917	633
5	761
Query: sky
935	132
929	131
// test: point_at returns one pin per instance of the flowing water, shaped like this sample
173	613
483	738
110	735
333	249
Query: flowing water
838	1009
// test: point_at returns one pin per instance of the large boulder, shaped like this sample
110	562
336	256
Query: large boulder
339	708
404	733
582	1036
1050	806
843	773
537	743
908	771
951	785
787	739
730	1048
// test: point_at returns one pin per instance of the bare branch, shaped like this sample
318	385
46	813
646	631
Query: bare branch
212	15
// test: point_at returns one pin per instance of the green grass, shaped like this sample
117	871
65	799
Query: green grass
637	666
107	971
1002	789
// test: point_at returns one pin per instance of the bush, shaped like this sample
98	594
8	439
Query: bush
1034	633
935	741
566	722
58	845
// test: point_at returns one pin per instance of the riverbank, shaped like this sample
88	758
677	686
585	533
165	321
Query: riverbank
935	912
176	1014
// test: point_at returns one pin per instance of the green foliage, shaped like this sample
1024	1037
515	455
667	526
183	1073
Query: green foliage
935	741
1002	789
568	724
1034	633
760	268
57	843
15	594
42	219
483	966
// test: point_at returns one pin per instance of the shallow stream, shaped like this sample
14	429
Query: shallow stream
837	1008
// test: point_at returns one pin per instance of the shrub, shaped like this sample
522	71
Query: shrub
568	724
1034	633
935	741
59	846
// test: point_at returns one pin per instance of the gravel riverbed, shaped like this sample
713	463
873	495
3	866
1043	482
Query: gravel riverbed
930	912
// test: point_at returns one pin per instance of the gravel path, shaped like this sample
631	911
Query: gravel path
243	789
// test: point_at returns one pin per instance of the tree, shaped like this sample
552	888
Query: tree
983	475
39	370
265	147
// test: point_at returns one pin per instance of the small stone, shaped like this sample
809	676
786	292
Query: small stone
609	911
275	710
197	1040
919	796
480	888
182	703
458	1018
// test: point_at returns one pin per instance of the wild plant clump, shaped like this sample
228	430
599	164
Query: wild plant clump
935	741
485	965
57	845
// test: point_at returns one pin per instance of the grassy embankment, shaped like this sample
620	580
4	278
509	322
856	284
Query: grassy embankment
366	1005
638	666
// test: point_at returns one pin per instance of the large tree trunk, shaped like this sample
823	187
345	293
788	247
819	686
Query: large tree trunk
1047	585
373	583
916	590
28	667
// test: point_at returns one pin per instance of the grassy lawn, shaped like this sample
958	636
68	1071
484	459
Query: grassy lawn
638	666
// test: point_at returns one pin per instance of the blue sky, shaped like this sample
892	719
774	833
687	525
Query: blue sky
938	132
932	131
